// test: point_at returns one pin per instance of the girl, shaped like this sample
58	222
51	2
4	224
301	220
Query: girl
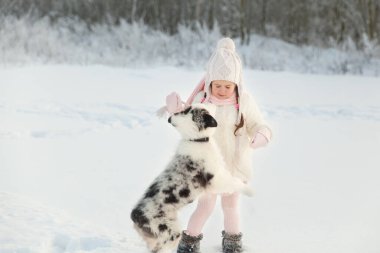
240	127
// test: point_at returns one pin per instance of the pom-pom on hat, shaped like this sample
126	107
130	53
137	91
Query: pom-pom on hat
224	64
226	43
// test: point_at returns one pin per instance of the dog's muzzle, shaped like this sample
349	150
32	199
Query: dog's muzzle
170	120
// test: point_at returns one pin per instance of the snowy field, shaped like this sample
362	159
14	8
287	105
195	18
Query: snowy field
79	145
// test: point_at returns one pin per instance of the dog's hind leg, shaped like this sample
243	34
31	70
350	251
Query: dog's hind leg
168	238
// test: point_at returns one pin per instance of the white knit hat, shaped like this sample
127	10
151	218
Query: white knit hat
224	64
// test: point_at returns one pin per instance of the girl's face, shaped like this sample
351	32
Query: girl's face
222	89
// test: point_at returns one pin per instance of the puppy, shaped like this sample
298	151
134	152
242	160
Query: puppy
196	168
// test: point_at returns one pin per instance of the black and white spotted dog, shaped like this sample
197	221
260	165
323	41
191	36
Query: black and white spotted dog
197	167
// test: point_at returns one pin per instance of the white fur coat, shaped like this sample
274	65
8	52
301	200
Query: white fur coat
236	150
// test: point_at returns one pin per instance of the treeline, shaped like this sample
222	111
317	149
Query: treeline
303	22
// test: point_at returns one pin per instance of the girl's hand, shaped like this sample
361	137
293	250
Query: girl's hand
174	103
261	138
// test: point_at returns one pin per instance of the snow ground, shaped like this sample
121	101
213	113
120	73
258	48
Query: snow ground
78	146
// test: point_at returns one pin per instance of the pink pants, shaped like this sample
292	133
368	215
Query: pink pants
206	204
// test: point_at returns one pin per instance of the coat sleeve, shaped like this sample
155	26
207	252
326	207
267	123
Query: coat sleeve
254	119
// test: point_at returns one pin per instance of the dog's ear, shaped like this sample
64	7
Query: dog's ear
209	121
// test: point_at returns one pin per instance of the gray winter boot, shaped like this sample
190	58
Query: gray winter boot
232	242
189	244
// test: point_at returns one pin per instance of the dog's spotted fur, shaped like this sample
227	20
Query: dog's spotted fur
197	167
